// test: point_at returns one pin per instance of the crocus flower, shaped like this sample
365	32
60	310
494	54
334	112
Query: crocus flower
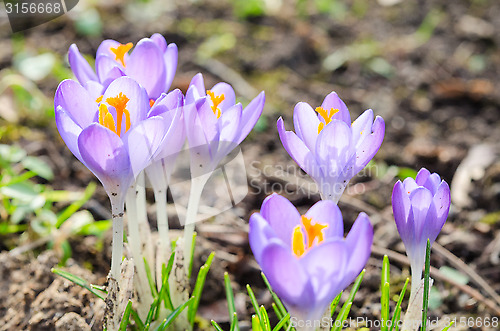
215	125
328	147
420	209
306	258
116	138
152	63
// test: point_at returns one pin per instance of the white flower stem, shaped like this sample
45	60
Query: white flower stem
413	315
117	208
197	185
162	218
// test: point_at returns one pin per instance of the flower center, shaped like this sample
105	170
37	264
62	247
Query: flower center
216	101
120	52
307	235
326	115
106	119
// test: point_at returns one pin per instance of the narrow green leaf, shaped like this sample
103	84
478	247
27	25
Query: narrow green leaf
151	312
230	298
151	281
344	312
216	326
73	208
397	309
334	303
282	322
426	284
255	304
234	322
193	245
449	326
173	315
79	281
198	288
265	319
276	310
126	314
256	323
275	297
38	166
138	322
385	293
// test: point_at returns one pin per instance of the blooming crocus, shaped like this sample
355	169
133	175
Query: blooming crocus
328	147
152	63
215	125
306	258
420	209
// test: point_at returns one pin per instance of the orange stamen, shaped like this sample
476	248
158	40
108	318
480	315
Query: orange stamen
99	99
216	101
120	52
327	116
313	234
120	102
151	102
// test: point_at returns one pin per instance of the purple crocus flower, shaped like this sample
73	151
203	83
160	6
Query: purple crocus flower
115	138
215	125
152	63
306	258
328	147
420	209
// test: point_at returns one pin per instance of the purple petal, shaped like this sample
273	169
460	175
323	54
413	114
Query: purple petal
199	85
286	276
401	210
104	48
251	115
259	235
95	89
170	57
147	67
104	153
160	41
143	142
282	216
325	274
332	100
80	67
359	243
409	185
166	103
76	102
422	176
138	104
362	126
107	70
420	200
68	130
228	92
369	146
229	123
306	122
199	147
327	212
298	151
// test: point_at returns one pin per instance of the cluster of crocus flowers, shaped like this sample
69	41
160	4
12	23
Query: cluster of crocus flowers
305	257
420	208
152	63
328	147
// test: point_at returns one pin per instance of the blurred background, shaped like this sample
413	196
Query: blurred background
429	68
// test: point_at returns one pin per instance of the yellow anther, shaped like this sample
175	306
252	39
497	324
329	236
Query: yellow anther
109	122
216	101
120	52
99	99
306	236
120	102
326	115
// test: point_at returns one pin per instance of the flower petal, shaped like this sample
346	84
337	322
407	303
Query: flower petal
332	100
368	146
228	92
146	65
80	67
143	142
160	41
170	57
401	210
282	216
286	276
68	130
420	200
259	235
250	116
104	153
76	102
306	122
107	70
299	152
229	124
327	212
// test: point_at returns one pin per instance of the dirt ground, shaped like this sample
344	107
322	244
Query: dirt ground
429	68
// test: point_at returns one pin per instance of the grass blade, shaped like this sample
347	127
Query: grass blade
198	288
334	303
216	326
80	282
151	281
282	322
344	312
277	300
426	284
397	310
385	293
173	315
230	299
126	314
449	326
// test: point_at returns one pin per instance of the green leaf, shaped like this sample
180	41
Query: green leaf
344	312
449	326
22	191
217	327
198	288
454	274
397	309
334	303
126	314
151	281
385	295
12	154
282	322
255	304
276	299
230	299
173	315
38	166
426	284
96	228
71	209
80	282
